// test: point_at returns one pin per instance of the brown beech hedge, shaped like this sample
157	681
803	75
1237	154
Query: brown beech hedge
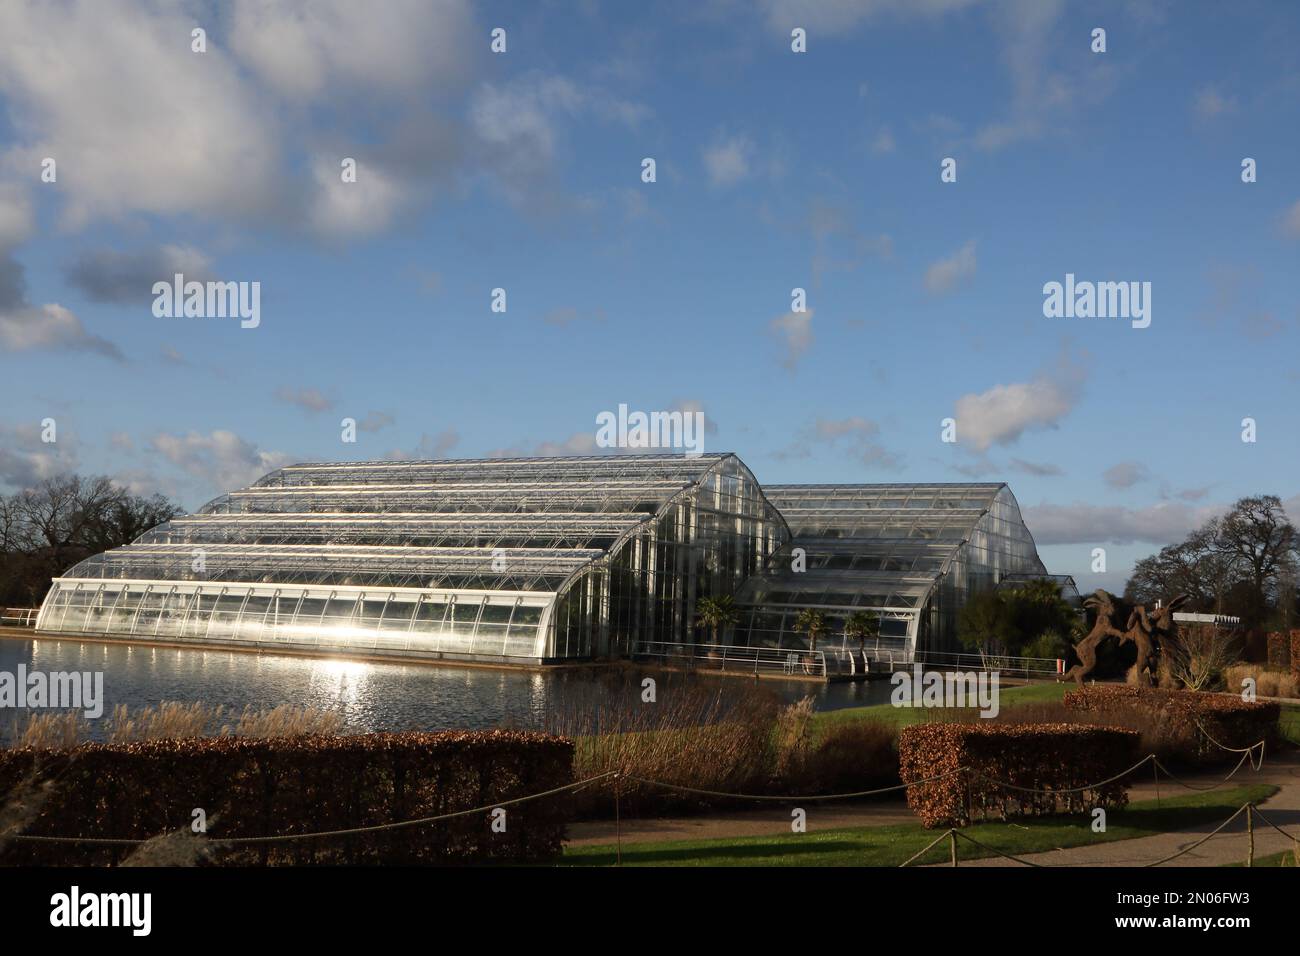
1190	716
259	787
1051	757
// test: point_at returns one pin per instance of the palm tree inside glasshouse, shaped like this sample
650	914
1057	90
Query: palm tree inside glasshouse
715	613
813	623
861	625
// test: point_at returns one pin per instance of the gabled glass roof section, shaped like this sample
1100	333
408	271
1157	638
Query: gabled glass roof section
510	524
876	545
928	512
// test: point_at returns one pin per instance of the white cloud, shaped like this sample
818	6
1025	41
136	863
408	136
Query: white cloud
220	457
16	217
728	160
518	126
1038	469
26	460
1210	103
116	276
309	399
138	123
375	421
51	327
837	15
946	274
361	208
1291	221
134	119
579	443
1126	474
302	48
883	142
794	329
1092	524
1000	415
857	434
429	447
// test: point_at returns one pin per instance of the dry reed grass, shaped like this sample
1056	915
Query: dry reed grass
63	730
1269	681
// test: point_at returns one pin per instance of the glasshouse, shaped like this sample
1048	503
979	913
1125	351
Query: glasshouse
909	554
548	560
501	560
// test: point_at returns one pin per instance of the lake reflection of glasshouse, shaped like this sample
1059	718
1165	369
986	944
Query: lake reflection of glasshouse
547	560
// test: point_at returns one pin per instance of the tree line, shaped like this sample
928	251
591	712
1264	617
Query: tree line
1242	563
49	527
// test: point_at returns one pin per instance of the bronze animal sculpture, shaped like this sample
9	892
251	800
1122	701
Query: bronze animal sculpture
1158	643
1108	608
1155	636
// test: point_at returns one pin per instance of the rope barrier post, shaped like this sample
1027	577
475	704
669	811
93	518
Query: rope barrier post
952	842
1155	772
1250	834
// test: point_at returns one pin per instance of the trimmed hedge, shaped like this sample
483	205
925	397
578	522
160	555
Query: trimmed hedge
261	787
1279	649
1190	715
1054	757
1295	655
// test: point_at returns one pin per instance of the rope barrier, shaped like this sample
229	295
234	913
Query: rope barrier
971	839
1289	836
1207	837
797	798
224	841
1247	753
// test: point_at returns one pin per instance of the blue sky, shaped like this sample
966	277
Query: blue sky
775	170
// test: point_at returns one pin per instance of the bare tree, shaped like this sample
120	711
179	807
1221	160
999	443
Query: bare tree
1199	655
1256	533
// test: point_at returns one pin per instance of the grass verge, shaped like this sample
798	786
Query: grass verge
1282	859
889	714
891	845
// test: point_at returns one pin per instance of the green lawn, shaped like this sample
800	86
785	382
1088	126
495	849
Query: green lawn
888	713
1289	723
891	845
1285	858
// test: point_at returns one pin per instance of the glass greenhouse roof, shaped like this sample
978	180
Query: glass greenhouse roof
492	524
881	546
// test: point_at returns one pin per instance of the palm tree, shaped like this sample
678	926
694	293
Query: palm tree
862	625
714	613
812	623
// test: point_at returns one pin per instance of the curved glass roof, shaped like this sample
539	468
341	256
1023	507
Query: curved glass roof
509	524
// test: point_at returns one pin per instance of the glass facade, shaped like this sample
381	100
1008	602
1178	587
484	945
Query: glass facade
912	554
549	559
511	560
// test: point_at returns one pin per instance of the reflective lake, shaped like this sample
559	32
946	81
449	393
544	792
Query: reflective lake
371	696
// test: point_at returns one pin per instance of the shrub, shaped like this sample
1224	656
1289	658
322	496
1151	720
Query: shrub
706	734
1279	650
846	758
1050	757
1196	721
1295	656
1269	681
261	787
